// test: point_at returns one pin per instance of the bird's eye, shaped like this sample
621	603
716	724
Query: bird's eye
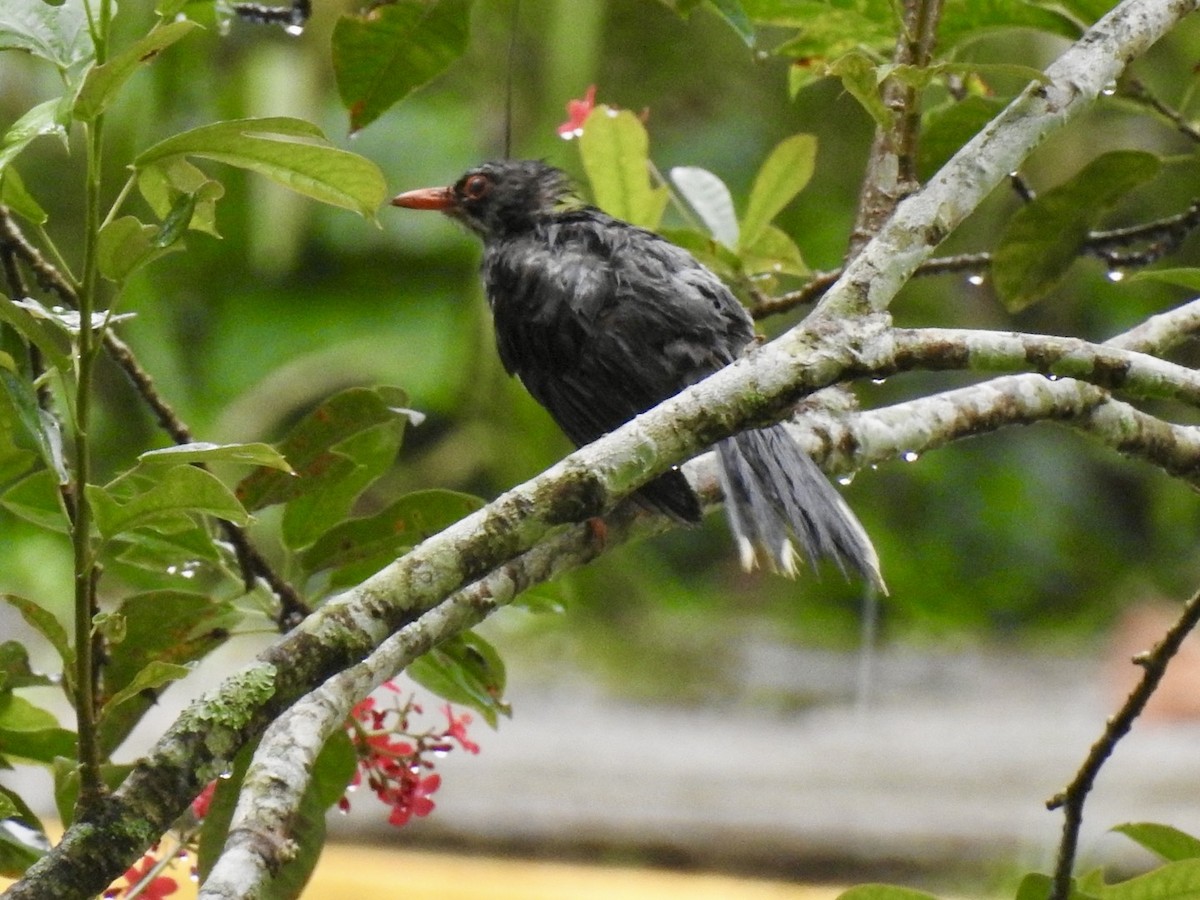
476	187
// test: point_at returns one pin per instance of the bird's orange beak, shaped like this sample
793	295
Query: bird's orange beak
426	198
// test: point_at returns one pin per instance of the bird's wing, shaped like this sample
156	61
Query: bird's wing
602	321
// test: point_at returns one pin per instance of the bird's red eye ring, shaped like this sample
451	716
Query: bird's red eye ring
476	187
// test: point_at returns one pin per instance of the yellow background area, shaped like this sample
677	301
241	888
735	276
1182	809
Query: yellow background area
385	874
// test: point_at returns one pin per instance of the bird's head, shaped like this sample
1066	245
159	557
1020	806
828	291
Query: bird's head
497	198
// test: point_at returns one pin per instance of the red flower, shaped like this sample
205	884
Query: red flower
412	798
577	113
203	800
457	729
158	888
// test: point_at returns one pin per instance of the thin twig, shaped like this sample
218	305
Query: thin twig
1136	90
892	165
1154	665
1161	236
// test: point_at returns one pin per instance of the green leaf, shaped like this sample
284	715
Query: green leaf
614	147
1036	886
465	670
22	843
358	547
31	733
252	454
1169	843
1046	235
966	21
155	675
102	83
707	249
733	13
1175	880
179	489
46	118
947	128
162	550
310	445
826	30
859	75
58	34
125	245
163	183
920	77
290	152
883	892
165	629
360	460
709	197
38	331
14	195
46	624
773	252
35	498
546	598
15	671
1185	278
38	425
220	811
383	55
787	169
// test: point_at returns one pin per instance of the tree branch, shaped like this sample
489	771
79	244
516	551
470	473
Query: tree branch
1154	666
924	219
892	163
280	770
1104	365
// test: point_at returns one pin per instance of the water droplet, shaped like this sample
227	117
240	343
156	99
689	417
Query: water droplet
1115	275
1109	89
874	467
1051	377
194	875
910	456
612	113
295	29
846	480
975	280
226	774
878	381
172	569
181	853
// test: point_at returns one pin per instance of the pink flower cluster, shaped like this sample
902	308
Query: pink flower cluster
397	762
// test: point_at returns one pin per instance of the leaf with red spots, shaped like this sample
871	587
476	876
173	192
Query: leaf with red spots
382	56
356	548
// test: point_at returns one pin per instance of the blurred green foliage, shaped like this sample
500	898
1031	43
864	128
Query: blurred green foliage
1027	531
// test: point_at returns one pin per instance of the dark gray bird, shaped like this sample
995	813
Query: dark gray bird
602	320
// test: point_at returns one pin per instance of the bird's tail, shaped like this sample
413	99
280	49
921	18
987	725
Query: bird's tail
774	492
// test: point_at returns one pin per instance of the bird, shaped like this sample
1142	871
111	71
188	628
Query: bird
602	320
